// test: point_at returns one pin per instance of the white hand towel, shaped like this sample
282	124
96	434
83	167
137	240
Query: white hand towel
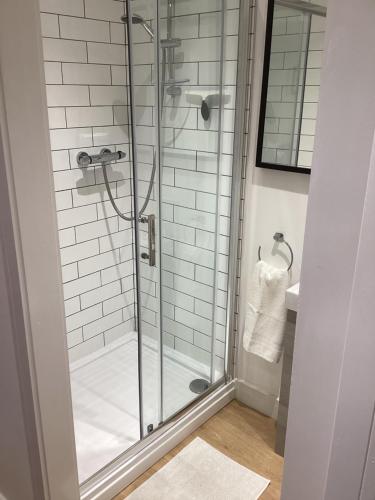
266	312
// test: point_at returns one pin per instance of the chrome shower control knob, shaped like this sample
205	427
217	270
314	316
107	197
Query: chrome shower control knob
83	159
105	152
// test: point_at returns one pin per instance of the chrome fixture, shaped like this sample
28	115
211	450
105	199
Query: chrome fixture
168	46
104	158
199	385
306	7
279	238
170	43
137	19
170	12
151	255
105	155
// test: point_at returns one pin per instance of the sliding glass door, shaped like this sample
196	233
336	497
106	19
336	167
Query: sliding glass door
191	111
182	178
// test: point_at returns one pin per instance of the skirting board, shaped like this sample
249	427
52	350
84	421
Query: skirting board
254	398
116	478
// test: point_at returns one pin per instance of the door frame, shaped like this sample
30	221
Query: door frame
27	168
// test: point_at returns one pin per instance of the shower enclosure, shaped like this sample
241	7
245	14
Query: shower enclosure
142	111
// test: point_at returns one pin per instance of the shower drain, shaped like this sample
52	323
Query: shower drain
199	385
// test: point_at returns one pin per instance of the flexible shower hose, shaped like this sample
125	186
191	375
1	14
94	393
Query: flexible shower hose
111	199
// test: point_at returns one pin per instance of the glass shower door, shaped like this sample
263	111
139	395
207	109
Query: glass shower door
191	72
181	169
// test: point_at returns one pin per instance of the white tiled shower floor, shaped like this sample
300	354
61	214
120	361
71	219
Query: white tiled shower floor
106	402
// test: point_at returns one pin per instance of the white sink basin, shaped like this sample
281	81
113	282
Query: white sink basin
292	295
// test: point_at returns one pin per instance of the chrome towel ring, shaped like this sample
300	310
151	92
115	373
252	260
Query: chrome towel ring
279	237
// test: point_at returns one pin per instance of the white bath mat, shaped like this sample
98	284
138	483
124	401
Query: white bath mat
200	472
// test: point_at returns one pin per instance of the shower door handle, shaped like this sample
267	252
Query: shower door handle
151	240
151	255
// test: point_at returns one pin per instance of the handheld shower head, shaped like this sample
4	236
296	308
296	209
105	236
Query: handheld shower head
137	19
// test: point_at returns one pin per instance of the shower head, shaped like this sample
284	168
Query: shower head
136	19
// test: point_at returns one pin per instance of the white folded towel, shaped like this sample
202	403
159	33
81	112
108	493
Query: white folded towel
266	312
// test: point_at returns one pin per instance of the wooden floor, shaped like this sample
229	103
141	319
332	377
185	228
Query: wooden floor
243	435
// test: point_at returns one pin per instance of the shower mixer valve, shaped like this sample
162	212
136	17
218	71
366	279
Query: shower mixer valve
105	156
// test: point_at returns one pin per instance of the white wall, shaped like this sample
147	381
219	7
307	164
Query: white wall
272	206
275	201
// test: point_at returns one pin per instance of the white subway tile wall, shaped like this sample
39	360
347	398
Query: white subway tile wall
86	77
84	47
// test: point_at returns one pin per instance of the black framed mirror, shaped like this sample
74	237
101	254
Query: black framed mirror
290	88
